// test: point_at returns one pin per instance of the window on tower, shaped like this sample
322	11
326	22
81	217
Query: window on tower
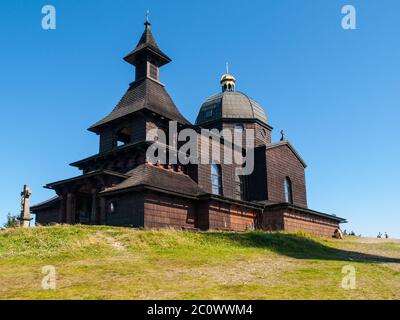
288	190
122	137
153	71
264	133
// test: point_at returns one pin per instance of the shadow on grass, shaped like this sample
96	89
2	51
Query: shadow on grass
298	246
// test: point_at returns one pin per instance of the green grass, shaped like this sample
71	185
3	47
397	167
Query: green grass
122	263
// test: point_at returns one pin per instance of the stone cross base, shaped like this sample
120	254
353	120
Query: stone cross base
25	223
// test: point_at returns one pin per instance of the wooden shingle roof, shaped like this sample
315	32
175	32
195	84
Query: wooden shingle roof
230	105
147	175
144	94
147	45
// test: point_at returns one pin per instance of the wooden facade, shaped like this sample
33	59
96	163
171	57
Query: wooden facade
119	187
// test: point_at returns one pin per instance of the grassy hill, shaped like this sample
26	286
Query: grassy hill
122	263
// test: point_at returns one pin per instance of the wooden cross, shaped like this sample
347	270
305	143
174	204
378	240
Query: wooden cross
282	135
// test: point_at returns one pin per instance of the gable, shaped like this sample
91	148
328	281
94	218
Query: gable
286	144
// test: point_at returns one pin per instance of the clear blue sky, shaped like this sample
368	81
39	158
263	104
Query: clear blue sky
336	92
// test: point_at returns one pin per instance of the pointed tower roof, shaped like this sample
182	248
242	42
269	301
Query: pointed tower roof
146	46
146	92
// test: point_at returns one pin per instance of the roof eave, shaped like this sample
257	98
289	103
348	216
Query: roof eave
105	154
96	128
45	204
85	176
252	205
148	187
163	59
306	210
244	120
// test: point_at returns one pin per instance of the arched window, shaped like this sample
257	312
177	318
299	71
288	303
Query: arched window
239	128
264	133
288	190
216	179
122	137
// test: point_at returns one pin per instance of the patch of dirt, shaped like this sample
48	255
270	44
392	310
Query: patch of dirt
112	241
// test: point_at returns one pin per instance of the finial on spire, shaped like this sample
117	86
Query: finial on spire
147	23
228	81
283	135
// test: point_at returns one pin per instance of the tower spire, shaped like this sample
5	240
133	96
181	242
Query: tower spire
147	56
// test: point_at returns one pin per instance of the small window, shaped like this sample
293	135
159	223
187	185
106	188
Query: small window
264	133
153	71
288	190
239	128
216	179
112	207
122	137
